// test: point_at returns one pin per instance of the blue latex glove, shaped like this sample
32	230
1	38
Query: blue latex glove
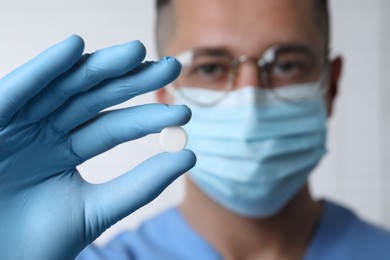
50	122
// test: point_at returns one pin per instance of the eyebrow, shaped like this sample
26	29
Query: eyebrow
212	51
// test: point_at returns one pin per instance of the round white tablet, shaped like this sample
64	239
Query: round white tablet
173	139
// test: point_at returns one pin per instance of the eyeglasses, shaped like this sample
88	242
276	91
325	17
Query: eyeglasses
280	66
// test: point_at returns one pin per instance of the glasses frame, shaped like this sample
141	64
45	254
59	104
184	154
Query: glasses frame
262	61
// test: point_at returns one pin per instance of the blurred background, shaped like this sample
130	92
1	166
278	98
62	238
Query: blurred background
356	171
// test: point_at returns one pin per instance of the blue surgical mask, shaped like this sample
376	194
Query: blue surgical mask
254	150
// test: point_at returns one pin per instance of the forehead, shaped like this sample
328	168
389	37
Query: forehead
243	26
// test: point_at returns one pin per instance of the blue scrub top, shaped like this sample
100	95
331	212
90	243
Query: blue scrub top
340	235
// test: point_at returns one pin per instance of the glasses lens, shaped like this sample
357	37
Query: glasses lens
208	70
296	67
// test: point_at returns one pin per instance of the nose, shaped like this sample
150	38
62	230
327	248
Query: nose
248	74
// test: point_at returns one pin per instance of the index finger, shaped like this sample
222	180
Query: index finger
25	82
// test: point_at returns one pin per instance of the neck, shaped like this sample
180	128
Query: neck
283	236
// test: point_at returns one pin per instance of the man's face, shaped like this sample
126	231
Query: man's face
244	27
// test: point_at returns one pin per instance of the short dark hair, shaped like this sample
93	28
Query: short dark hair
321	11
165	29
161	3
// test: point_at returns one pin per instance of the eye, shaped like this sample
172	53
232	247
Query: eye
210	69
287	68
292	64
206	71
209	72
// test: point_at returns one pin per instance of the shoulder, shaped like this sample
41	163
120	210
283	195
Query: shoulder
353	229
343	235
165	236
134	244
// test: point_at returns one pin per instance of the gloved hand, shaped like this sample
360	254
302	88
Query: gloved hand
51	121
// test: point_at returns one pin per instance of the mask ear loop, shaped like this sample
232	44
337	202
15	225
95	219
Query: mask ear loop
171	90
326	77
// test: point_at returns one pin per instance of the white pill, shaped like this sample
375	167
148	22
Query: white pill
173	139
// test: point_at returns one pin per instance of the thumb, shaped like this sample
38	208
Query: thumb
116	199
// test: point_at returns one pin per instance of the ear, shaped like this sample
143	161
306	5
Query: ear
334	78
164	96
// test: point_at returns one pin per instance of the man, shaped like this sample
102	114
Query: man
260	83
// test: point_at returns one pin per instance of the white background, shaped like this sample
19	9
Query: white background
356	171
